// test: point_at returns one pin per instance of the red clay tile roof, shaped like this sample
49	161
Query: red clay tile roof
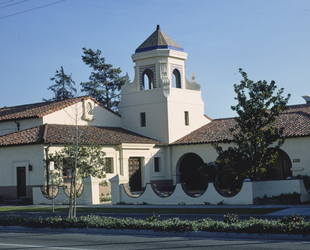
30	136
295	120
37	110
64	134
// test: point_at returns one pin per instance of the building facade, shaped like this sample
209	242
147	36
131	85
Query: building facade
161	134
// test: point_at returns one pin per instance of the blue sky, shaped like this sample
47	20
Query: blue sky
270	40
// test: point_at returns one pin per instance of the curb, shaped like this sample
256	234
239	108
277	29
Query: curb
150	233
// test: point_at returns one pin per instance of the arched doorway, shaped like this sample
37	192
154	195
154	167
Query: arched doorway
189	166
281	168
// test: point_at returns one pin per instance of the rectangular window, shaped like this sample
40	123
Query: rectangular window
143	119
157	164
109	168
186	117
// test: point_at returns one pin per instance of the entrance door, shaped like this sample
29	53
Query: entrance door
135	173
21	182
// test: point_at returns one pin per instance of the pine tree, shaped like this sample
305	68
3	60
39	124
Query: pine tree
63	87
104	82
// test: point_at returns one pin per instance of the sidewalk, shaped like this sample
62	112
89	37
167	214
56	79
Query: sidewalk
301	209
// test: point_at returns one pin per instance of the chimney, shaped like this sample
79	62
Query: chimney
307	99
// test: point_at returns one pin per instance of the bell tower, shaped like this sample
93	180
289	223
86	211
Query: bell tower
161	103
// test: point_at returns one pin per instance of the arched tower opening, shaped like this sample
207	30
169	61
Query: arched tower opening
147	79
176	79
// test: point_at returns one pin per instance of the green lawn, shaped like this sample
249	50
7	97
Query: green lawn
146	210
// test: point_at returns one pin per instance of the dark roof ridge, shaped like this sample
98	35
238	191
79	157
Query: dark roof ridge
224	118
208	117
43	102
304	105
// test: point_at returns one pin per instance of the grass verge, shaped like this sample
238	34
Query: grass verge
145	210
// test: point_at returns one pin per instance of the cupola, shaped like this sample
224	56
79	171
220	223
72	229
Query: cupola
158	40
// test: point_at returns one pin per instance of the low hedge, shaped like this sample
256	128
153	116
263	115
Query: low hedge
294	224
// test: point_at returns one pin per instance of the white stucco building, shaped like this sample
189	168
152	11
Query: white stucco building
161	134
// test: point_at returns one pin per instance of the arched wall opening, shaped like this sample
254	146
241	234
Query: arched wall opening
227	182
188	170
282	167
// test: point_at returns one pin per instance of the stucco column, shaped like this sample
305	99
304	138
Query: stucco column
91	191
125	168
116	187
146	173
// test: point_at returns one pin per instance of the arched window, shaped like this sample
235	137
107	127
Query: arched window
147	80
176	79
88	110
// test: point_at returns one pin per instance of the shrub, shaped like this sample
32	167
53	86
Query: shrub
294	224
295	218
105	198
231	218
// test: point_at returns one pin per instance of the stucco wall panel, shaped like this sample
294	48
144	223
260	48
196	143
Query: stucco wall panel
12	157
71	114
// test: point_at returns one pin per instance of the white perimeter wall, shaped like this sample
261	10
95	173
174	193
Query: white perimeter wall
246	195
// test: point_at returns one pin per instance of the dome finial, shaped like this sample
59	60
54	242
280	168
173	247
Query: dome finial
158	27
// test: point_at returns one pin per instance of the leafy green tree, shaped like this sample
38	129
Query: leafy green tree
63	87
256	136
104	82
76	162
